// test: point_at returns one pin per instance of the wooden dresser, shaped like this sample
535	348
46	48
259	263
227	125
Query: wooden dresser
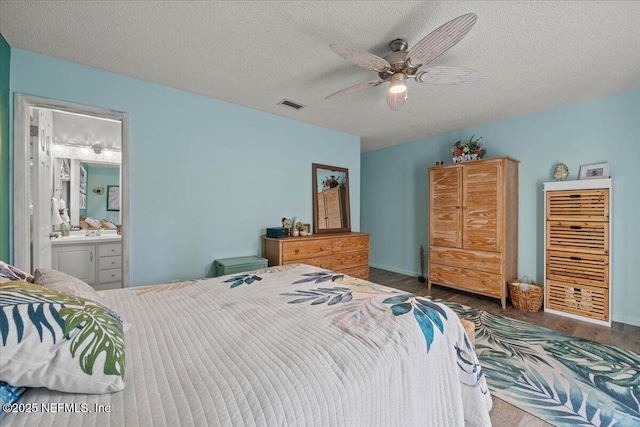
473	226
577	246
344	252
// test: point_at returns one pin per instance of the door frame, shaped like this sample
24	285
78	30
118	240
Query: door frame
21	133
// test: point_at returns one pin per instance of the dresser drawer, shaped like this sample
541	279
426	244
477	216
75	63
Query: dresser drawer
583	300
491	262
111	275
586	269
359	272
305	249
576	236
107	262
350	260
320	261
350	244
109	249
466	279
578	205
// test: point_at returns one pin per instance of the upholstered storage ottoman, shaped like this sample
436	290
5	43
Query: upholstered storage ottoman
239	264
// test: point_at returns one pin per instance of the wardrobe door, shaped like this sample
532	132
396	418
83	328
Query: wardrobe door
445	209
482	206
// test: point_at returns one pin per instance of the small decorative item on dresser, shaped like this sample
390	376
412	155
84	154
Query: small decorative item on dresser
286	222
305	230
594	171
464	151
525	294
561	171
277	232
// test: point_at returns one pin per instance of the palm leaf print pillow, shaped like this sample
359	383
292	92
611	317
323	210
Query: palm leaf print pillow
59	341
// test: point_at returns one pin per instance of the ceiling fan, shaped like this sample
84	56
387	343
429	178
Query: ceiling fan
402	64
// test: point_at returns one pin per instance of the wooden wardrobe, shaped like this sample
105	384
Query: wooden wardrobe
473	226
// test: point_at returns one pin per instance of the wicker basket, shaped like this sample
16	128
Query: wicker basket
526	298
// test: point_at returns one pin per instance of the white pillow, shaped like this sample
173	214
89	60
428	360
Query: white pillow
63	282
59	341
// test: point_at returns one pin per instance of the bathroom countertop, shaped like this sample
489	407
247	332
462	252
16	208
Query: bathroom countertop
79	239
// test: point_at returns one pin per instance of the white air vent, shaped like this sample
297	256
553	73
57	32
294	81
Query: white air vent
290	104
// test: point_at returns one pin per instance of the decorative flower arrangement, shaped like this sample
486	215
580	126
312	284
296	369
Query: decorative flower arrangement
472	150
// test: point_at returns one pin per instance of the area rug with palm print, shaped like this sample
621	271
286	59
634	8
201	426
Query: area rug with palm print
559	378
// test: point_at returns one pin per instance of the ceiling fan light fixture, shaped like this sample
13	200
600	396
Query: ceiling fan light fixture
398	84
395	101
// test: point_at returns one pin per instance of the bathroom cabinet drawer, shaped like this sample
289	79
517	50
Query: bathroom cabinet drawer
111	275
109	249
107	262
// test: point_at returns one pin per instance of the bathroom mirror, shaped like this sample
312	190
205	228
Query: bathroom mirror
84	186
331	210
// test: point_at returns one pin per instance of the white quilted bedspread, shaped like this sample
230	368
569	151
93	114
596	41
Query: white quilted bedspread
294	345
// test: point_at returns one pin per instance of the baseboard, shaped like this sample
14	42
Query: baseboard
395	270
634	321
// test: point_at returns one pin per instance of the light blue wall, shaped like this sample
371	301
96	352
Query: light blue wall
207	177
395	186
96	203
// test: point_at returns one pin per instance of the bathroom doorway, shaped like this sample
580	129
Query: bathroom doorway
58	147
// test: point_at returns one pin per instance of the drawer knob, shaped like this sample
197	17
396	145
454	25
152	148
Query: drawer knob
575	258
297	250
575	196
576	227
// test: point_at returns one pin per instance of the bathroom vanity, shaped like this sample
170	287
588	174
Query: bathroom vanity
96	260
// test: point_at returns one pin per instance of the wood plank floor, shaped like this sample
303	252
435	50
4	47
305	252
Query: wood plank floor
503	414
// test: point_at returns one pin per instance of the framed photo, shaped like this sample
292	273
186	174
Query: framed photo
306	227
594	171
113	197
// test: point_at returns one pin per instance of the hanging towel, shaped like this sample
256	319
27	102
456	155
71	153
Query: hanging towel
55	212
64	213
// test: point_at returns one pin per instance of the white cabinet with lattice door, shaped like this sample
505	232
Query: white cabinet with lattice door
577	246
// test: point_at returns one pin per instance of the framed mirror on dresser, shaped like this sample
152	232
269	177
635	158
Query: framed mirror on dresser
330	190
332	245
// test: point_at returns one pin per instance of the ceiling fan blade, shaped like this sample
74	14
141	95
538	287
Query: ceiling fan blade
395	101
362	59
356	88
440	40
448	76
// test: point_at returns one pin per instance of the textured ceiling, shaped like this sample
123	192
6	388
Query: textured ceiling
535	55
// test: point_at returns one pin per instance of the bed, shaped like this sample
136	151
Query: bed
289	345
